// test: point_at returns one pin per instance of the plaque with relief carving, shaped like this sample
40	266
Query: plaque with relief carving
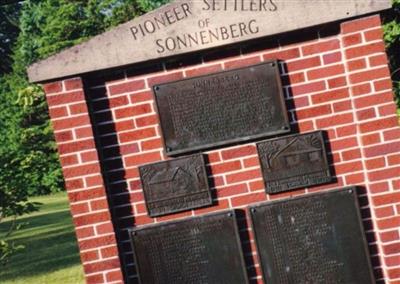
223	108
203	249
295	161
316	238
175	185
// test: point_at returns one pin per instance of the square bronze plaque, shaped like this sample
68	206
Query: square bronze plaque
294	161
316	238
222	108
204	249
175	185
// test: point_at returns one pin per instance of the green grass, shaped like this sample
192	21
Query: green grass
51	253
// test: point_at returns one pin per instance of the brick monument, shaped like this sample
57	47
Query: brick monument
335	78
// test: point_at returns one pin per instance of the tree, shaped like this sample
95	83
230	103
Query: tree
12	205
148	5
392	38
46	27
29	32
8	33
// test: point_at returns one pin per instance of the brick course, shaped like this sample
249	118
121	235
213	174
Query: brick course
340	84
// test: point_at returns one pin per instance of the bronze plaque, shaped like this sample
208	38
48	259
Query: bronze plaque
294	161
223	108
175	185
316	238
204	249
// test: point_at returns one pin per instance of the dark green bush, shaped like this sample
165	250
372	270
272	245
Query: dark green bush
392	39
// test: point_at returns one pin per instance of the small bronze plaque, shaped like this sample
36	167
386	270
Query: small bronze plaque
204	249
175	185
223	108
294	161
317	238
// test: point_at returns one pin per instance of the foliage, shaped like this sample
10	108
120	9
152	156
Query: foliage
29	32
13	203
51	25
148	5
46	27
392	38
8	33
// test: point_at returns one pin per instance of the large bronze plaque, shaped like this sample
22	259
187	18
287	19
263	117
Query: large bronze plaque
317	238
202	249
223	108
294	161
175	185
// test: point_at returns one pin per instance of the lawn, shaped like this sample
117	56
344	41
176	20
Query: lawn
51	253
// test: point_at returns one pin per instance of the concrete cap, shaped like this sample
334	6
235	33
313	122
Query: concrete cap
186	26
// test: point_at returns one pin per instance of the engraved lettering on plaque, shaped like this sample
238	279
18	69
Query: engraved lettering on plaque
175	185
316	238
203	249
223	108
293	162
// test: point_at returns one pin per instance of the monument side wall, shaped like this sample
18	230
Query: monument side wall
83	180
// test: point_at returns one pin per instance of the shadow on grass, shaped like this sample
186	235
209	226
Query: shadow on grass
50	245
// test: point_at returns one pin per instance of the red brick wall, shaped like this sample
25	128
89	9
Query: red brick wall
340	83
83	180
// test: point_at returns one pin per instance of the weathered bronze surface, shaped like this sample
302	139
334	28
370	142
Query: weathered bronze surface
223	108
175	185
294	161
317	238
202	249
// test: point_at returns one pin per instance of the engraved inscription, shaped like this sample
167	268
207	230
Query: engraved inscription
293	162
201	35
308	260
175	185
167	262
196	250
218	109
215	111
305	240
